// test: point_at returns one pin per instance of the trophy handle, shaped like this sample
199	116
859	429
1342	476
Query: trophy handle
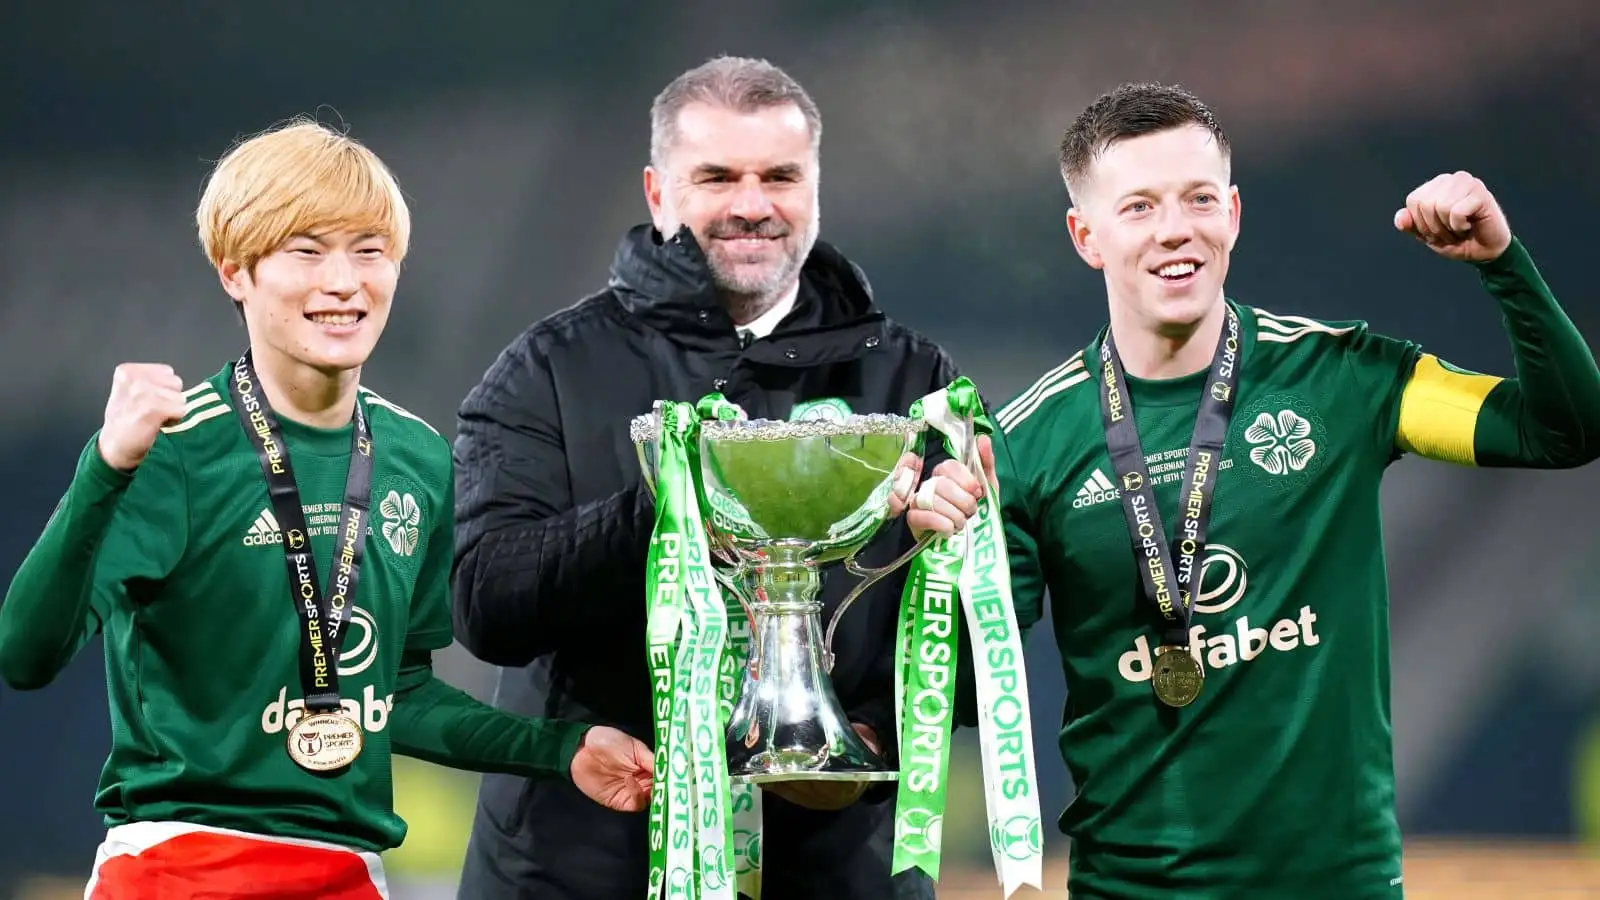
871	577
973	464
729	582
646	469
647	458
728	578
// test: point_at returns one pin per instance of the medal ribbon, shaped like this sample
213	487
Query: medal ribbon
690	851
322	614
1170	588
973	561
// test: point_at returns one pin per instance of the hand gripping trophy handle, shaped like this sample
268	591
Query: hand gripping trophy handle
971	461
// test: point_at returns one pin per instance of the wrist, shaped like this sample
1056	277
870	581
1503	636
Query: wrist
110	458
95	465
1506	260
573	742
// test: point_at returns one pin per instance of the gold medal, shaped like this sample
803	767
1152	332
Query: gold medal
1176	676
325	743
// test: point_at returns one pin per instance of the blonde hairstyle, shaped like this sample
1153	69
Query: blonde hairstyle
297	178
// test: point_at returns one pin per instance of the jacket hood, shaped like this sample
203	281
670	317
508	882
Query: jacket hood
667	285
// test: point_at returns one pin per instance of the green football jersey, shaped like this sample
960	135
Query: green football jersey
1278	780
202	636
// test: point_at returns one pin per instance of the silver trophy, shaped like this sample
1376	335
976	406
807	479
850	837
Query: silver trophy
779	500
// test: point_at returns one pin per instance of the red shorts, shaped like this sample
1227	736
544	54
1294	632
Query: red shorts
177	861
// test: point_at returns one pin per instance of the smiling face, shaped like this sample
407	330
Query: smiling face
307	229
1157	215
745	183
320	301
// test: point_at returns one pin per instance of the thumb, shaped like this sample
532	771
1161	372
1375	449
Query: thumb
1402	220
907	471
986	454
643	759
905	480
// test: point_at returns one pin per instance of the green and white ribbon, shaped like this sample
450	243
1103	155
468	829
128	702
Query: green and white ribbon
925	691
973	561
690	827
745	837
705	834
746	798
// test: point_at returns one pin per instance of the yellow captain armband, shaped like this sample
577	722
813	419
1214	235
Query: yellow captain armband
1439	411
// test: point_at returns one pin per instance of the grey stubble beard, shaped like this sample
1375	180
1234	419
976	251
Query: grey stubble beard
748	299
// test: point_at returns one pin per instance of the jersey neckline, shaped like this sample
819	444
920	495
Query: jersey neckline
1183	390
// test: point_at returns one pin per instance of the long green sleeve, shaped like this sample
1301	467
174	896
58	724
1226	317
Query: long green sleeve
435	722
1548	416
431	720
110	527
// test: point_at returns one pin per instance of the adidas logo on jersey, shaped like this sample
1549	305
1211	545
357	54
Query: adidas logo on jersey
1097	488
263	531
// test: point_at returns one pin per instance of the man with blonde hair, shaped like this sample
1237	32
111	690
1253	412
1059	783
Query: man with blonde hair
268	627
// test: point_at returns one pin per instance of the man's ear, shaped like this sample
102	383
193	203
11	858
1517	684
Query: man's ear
1234	212
235	280
653	181
1083	238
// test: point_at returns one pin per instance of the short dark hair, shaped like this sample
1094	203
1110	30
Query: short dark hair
1131	110
742	84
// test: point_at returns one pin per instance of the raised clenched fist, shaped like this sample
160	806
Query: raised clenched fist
1457	217
144	397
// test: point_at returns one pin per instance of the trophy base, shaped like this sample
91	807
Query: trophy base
765	746
772	777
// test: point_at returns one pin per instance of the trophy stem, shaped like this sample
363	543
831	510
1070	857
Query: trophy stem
789	724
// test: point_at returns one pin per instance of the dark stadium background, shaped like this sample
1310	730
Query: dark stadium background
519	130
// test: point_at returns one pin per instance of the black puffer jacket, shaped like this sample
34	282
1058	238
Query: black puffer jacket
553	523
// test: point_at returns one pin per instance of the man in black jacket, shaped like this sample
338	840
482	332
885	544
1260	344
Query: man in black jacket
727	290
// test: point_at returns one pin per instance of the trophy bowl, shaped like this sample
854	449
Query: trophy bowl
779	501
